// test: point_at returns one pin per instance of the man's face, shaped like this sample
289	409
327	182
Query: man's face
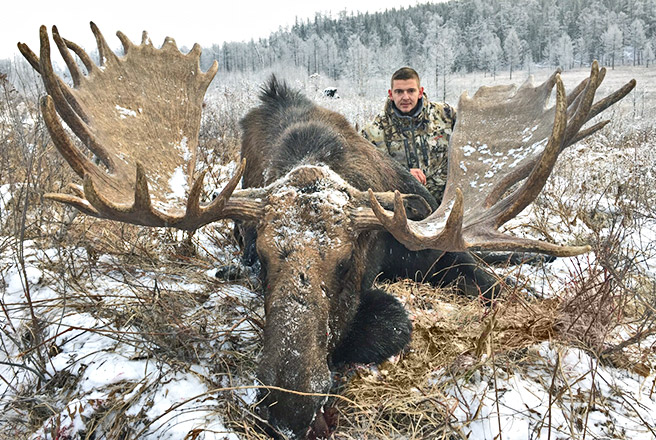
405	93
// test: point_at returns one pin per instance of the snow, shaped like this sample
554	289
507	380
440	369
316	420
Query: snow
178	184
125	112
518	401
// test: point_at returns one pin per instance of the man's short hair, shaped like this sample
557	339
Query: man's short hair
405	73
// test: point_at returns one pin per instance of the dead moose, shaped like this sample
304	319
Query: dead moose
316	198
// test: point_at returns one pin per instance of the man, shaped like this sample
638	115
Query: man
414	130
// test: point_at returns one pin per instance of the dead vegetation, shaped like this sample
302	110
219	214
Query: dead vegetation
151	298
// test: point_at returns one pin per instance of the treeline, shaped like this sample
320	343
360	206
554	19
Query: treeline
461	35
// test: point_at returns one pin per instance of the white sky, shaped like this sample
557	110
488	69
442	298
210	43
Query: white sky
190	21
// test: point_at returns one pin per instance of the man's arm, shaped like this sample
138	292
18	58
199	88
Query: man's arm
450	114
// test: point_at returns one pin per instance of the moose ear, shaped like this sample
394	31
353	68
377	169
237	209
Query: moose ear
416	207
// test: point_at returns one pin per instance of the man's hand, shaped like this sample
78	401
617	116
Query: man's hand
419	174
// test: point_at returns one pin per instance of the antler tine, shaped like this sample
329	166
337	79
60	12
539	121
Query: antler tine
242	204
77	202
584	105
78	161
218	204
216	207
29	56
76	75
106	54
413	235
575	97
84	57
66	111
496	241
125	41
145	39
611	99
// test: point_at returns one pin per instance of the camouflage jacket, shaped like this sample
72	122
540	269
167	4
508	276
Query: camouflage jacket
419	140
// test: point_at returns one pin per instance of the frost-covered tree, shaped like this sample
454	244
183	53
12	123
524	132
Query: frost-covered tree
407	35
612	40
592	25
638	40
490	54
359	63
431	41
333	60
648	54
512	47
528	61
389	58
440	53
564	52
549	28
411	39
581	50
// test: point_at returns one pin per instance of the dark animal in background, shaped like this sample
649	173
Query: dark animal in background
331	92
314	205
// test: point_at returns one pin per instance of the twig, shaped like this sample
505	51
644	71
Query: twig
36	372
552	389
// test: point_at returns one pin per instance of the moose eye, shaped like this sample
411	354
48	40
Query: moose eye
284	250
343	267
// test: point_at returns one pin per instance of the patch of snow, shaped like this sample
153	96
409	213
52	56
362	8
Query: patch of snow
125	112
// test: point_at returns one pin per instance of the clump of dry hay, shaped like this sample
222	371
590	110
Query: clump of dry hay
452	336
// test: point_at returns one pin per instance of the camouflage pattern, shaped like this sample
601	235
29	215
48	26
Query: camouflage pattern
419	140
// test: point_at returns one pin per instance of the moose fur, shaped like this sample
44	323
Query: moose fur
321	308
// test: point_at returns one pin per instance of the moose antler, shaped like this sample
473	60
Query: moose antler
139	114
503	135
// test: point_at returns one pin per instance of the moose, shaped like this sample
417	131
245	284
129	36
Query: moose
322	211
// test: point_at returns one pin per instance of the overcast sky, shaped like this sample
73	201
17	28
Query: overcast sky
187	21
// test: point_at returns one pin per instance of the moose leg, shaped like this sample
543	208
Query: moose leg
438	268
465	271
380	329
249	269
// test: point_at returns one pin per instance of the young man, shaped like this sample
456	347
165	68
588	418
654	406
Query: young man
414	130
